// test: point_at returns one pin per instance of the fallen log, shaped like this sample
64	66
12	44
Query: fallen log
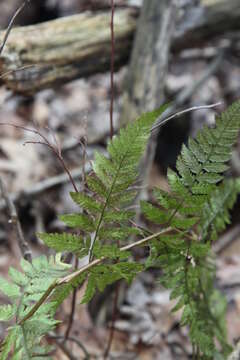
52	53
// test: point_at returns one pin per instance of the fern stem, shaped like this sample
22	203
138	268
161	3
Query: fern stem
161	121
74	275
39	303
104	208
141	242
73	307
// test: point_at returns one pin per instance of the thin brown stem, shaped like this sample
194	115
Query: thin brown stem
73	307
111	335
95	262
112	67
161	121
74	295
39	303
11	23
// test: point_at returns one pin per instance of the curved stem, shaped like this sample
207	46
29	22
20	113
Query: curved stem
67	279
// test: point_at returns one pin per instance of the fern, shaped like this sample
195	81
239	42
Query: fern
24	291
197	209
106	218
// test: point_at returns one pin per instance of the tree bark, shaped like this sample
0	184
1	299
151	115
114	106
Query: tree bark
52	53
149	61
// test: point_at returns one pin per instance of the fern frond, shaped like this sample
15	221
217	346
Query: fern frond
24	291
63	242
197	208
204	160
104	217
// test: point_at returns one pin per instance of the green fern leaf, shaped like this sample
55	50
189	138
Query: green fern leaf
86	202
17	277
9	342
10	290
80	221
90	290
62	242
7	312
109	251
128	270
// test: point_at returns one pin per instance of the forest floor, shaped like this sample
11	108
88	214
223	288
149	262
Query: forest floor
145	326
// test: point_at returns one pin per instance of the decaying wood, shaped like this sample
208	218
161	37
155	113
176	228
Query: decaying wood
150	57
55	52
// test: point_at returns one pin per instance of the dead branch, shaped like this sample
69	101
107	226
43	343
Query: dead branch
64	49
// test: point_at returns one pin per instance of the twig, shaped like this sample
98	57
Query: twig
74	295
11	23
116	295
22	243
2	76
67	279
180	113
73	307
55	148
112	67
124	248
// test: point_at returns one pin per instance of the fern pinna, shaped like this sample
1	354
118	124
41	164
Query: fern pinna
27	288
190	217
196	209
